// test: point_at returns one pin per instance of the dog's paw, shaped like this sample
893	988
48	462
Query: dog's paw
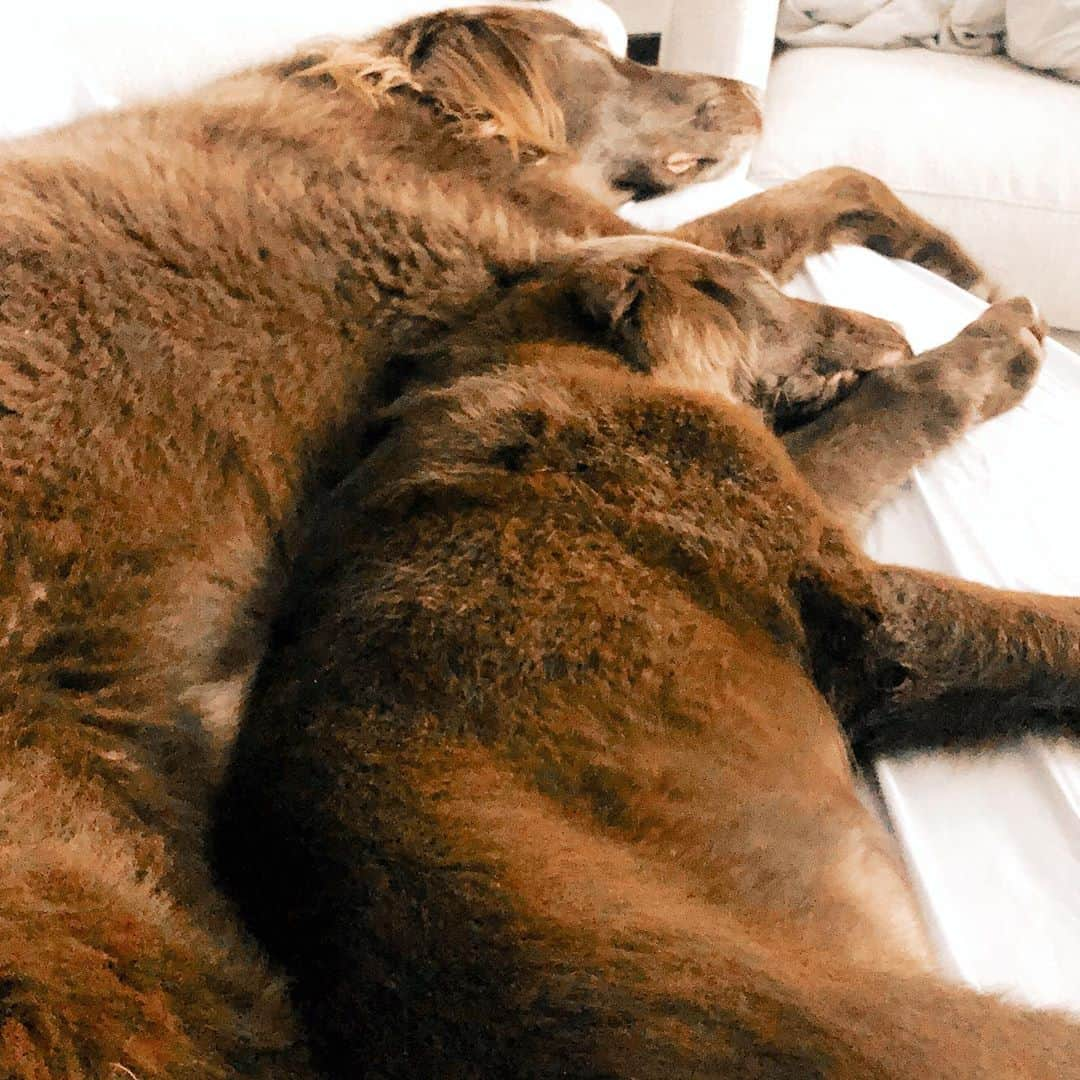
986	289
1009	338
839	349
990	365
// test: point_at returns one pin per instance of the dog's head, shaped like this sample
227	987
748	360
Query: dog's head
551	90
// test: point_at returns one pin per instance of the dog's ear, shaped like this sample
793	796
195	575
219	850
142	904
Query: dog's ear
485	71
482	71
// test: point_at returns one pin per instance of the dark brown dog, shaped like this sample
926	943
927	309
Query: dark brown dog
202	301
535	779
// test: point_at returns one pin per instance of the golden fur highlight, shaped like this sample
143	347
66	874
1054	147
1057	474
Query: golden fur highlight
484	75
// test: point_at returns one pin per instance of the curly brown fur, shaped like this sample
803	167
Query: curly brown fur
198	299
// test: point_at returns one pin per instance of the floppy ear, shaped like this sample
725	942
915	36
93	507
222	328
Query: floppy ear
482	71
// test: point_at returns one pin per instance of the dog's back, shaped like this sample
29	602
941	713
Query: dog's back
534	780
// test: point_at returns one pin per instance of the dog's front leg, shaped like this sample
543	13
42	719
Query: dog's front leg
859	451
958	663
779	228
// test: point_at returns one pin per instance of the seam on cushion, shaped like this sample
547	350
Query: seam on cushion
939	195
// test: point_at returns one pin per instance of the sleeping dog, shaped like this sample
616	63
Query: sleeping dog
542	770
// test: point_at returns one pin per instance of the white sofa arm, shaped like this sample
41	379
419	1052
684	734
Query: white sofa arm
733	38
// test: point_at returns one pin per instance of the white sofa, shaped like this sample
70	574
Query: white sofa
983	147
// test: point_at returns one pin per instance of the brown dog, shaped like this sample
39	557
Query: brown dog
202	301
535	779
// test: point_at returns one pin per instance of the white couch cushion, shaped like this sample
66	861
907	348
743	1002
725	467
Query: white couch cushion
978	145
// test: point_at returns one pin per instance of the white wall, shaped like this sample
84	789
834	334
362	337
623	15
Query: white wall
643	16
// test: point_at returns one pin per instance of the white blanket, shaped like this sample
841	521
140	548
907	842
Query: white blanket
1042	34
951	25
1045	34
992	841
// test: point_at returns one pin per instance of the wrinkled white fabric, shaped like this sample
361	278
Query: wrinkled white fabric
1045	34
950	25
992	841
1042	34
